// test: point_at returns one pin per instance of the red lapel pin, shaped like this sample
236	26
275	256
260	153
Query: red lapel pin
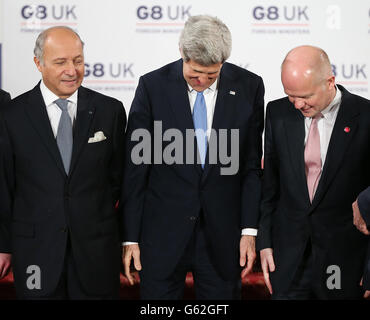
347	129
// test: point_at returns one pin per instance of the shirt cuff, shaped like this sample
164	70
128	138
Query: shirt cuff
245	232
249	232
127	243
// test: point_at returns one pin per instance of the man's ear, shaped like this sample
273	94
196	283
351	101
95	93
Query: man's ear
37	63
181	53
331	82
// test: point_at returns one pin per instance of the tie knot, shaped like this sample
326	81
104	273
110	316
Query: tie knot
199	93
317	116
62	104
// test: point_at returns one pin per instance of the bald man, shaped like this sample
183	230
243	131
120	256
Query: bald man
316	162
61	156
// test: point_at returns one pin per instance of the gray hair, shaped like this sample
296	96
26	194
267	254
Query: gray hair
40	41
205	40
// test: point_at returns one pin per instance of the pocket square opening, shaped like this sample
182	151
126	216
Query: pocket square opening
98	136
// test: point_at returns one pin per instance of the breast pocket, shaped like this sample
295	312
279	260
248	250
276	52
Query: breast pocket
98	148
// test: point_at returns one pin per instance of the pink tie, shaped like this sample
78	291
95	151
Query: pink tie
312	157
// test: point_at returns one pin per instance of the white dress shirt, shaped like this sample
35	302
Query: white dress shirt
54	112
210	96
325	125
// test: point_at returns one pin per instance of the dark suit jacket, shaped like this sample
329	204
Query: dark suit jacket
41	205
4	97
163	201
364	205
288	220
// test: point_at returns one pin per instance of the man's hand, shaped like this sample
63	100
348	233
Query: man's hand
367	292
247	249
357	219
131	251
5	261
268	265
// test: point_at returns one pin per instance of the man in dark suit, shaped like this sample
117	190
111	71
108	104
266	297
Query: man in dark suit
361	219
189	214
317	149
61	173
4	97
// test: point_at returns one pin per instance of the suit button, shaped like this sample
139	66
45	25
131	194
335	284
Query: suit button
192	218
63	230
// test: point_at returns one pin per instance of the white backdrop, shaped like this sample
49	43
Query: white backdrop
125	39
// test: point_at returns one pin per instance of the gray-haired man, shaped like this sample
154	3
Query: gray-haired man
187	215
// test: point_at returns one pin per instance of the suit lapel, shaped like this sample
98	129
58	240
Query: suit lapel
224	112
295	135
85	115
179	102
340	140
179	99
40	121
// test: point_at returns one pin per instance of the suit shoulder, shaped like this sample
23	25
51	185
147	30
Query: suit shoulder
99	96
363	102
23	97
279	107
351	98
101	99
281	102
14	105
242	72
162	72
4	96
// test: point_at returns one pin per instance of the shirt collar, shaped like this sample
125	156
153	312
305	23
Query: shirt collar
333	105
211	88
50	97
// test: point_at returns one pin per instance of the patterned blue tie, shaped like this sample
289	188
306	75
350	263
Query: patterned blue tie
200	125
65	134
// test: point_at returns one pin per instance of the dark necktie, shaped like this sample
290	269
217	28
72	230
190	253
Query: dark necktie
65	134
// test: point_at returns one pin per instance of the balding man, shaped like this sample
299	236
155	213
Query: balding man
61	168
317	151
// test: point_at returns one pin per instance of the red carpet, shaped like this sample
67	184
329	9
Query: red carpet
253	288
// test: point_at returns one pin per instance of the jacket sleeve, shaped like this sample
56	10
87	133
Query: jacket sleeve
118	151
270	187
135	172
7	186
251	181
364	205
